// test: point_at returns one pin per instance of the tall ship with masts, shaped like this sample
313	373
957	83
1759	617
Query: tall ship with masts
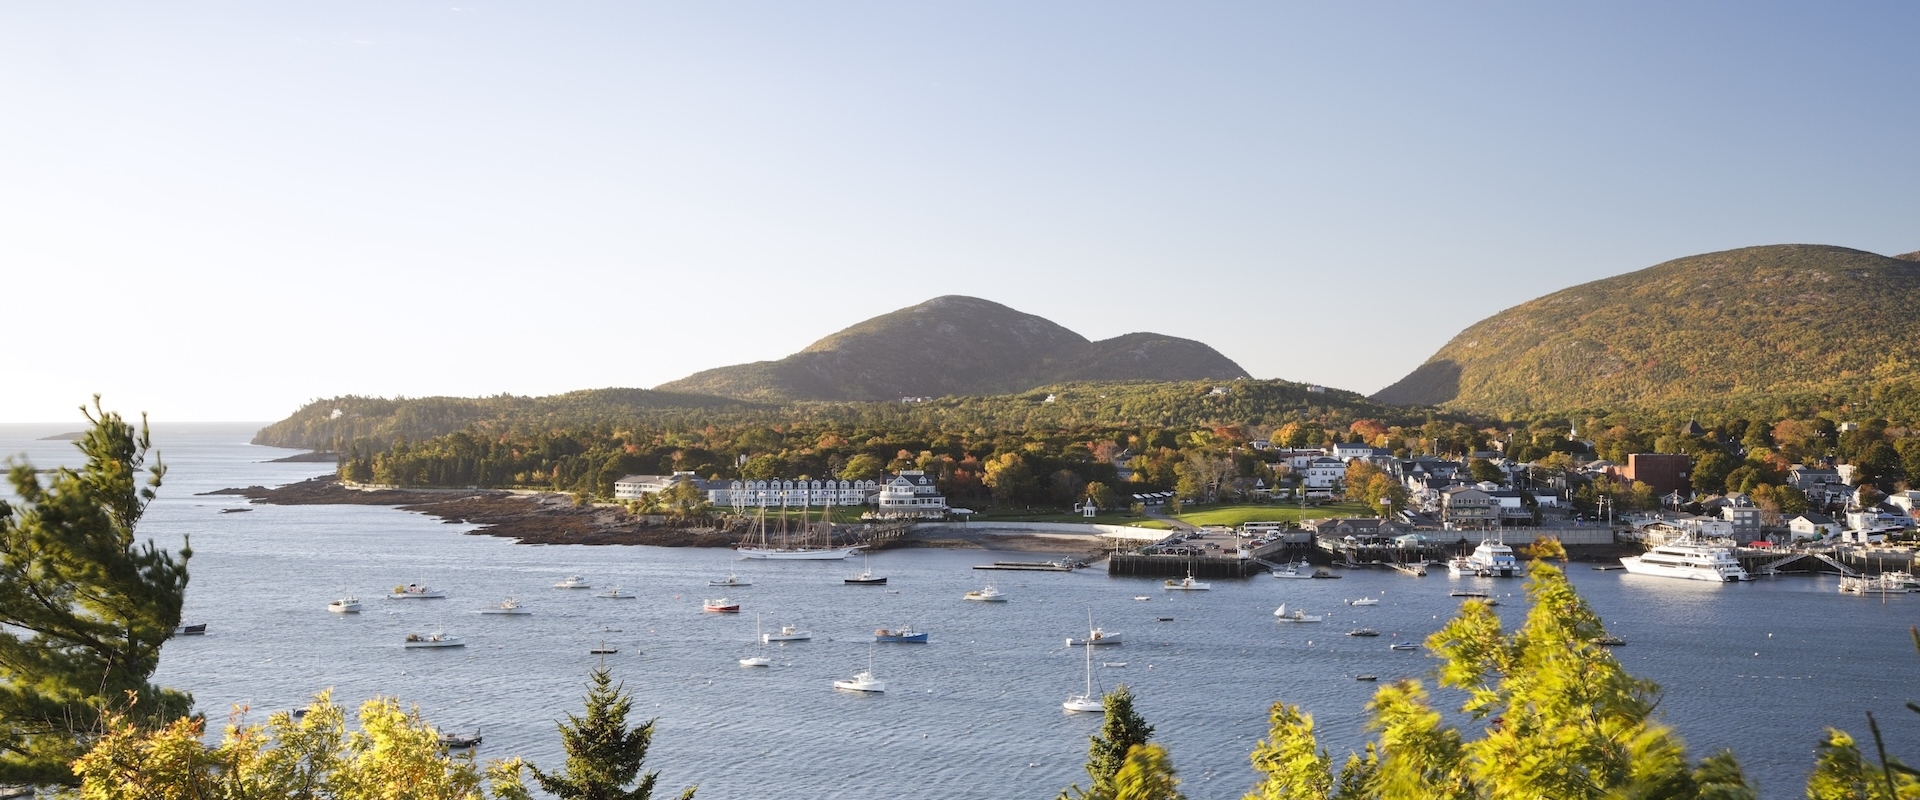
813	543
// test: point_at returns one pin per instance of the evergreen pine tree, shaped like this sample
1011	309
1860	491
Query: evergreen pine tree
603	755
1120	733
84	608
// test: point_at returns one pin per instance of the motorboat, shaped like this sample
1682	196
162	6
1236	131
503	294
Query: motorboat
1113	664
1096	637
460	741
415	591
1477	595
1297	569
433	640
573	582
509	607
721	605
787	633
986	594
1141	597
1187	584
731	580
1296	615
1086	701
1494	559
1364	601
345	605
616	593
863	681
1888	583
196	629
1461	565
866	576
1404	646
756	661
1608	641
602	650
1688	558
1366	678
1363	632
904	633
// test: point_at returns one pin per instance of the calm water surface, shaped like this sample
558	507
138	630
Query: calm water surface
1760	668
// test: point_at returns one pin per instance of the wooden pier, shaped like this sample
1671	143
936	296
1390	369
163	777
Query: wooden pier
1168	566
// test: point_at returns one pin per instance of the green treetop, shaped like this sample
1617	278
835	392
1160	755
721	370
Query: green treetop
84	607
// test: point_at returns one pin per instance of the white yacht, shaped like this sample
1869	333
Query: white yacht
1493	558
1687	558
1086	701
573	582
509	607
1461	565
863	681
345	605
986	594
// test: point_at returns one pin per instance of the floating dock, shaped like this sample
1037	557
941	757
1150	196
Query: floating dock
1028	566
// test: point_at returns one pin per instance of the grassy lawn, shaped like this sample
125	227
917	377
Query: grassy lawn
1269	512
1111	518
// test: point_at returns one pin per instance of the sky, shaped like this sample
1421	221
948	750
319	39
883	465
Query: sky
224	210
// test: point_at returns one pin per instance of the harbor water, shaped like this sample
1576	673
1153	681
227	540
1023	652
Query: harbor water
1760	668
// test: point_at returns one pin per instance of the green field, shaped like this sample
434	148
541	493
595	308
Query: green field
1269	512
1111	518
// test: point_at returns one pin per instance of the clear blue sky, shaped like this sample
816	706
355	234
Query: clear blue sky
222	210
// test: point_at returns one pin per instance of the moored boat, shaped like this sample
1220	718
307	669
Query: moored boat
787	633
616	593
415	591
573	582
1187	584
1294	570
1404	646
1364	601
863	681
1363	632
1688	558
1889	583
345	605
730	580
1281	614
415	640
1095	637
509	607
1086	701
1493	558
904	633
720	605
986	594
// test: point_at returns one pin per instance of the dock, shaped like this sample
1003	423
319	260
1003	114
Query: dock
1030	566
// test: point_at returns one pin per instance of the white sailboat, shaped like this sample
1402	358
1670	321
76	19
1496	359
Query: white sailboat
760	660
806	549
1086	701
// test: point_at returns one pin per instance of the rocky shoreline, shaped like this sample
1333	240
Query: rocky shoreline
555	519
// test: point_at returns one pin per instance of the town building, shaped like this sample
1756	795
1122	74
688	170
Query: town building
910	493
1665	472
1467	508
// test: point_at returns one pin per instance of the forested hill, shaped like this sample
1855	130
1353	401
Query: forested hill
957	345
334	423
1751	326
340	423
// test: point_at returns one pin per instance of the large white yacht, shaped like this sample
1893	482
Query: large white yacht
1687	558
1495	559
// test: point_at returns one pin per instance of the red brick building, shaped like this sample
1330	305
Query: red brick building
1665	472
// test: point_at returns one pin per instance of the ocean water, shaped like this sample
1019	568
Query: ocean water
1760	668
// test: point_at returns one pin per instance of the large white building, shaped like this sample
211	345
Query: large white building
632	487
776	493
911	493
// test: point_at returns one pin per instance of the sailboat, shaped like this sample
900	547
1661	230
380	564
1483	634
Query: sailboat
760	660
1087	700
758	547
866	576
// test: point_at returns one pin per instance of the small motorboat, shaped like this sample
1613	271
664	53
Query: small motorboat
986	594
1477	595
1283	615
787	633
509	607
1142	597
1364	601
865	579
460	741
1363	632
1095	637
756	661
616	593
602	650
1404	646
1609	641
731	580
1187	584
1113	664
1368	678
573	582
862	681
196	629
415	640
345	605
904	633
415	591
721	605
1294	570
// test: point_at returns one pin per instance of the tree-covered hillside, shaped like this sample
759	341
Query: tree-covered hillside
1735	329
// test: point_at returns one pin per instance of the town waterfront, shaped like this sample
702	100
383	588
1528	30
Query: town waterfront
1760	668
